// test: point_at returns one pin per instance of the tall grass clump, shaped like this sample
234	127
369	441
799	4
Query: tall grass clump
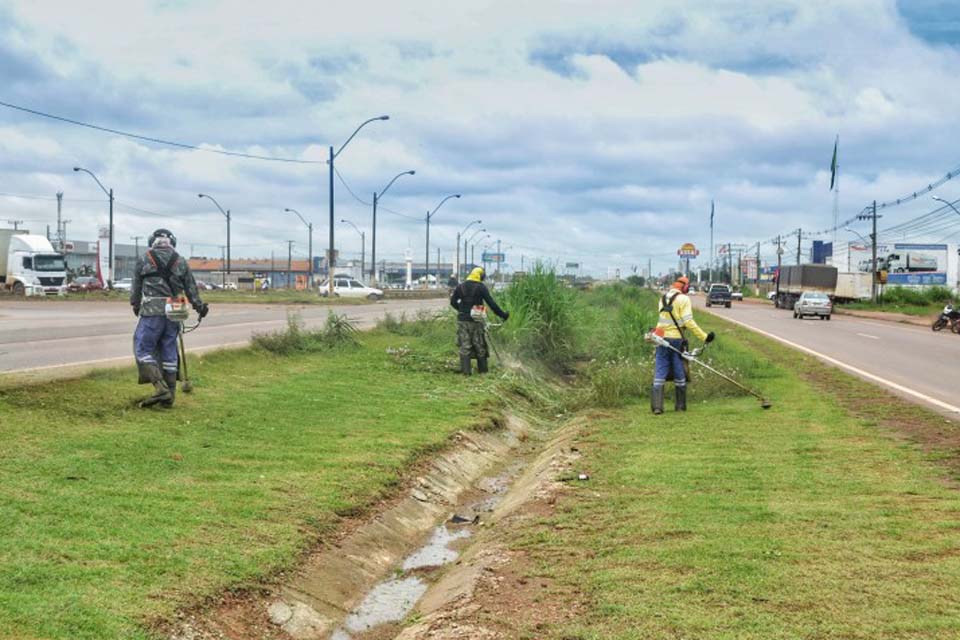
543	318
295	338
919	297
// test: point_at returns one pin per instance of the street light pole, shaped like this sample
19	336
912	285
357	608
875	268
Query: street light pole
109	193
463	233
426	262
946	202
309	246
226	214
363	244
373	239
333	156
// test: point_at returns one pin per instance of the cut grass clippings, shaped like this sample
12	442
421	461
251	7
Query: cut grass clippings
805	521
112	517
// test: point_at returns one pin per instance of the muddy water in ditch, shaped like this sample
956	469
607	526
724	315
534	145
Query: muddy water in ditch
390	601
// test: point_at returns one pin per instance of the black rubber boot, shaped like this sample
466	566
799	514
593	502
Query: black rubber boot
162	394
656	400
465	365
680	399
482	365
170	378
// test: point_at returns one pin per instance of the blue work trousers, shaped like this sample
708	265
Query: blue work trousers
669	361
157	337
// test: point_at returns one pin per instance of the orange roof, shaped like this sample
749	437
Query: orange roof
243	264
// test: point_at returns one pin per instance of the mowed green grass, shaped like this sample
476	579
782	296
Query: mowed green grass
112	517
736	523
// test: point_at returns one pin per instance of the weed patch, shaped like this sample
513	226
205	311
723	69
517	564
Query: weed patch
336	333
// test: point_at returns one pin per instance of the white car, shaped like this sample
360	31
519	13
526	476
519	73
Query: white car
350	288
124	284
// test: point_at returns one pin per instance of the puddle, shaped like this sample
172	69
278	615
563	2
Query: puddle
437	551
389	601
394	598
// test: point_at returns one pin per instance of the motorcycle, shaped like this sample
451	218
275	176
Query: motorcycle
949	316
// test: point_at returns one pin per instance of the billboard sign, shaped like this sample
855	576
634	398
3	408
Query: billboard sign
573	265
103	257
493	257
688	250
907	263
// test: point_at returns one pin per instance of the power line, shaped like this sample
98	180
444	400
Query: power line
170	143
370	204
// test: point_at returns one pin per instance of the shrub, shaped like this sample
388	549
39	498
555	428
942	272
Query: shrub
543	317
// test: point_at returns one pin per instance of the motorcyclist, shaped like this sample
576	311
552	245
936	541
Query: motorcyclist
162	277
675	315
469	299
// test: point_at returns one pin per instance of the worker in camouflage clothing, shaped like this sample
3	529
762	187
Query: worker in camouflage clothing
470	298
161	277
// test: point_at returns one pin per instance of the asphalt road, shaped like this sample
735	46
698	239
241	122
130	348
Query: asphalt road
55	338
911	361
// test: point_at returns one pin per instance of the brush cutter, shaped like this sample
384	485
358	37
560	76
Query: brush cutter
486	330
693	356
186	386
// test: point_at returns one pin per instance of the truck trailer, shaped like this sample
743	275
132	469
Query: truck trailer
794	280
29	266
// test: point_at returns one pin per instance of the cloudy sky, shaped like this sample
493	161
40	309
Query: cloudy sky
594	131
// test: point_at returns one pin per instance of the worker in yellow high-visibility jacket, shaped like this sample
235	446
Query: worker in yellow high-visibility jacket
675	315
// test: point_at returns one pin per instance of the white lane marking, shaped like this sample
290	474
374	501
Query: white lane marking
867	335
851	368
209	347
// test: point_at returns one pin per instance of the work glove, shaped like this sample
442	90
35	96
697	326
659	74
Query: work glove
710	337
136	310
203	310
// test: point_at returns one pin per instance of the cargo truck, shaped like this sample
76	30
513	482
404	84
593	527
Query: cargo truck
852	287
793	281
29	266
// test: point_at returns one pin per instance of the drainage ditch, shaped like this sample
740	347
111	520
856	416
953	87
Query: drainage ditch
415	552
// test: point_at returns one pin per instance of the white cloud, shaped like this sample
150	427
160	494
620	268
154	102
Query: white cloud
598	129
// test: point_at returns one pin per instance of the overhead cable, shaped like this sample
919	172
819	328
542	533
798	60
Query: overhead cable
169	143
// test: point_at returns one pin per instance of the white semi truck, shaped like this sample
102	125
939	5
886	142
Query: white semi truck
29	266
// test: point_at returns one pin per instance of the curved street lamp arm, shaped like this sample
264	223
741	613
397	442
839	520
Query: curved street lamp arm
946	202
90	173
212	199
298	215
475	234
390	184
357	130
849	230
464	232
437	208
355	227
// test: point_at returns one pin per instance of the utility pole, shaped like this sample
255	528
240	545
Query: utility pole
289	261
438	266
799	234
730	262
779	256
757	283
223	264
873	243
273	268
710	277
136	244
59	220
499	258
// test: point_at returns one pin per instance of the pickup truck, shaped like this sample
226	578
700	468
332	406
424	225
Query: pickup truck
719	294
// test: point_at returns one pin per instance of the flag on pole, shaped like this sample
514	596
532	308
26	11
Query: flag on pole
833	163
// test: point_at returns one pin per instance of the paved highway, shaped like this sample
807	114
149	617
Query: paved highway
910	360
52	338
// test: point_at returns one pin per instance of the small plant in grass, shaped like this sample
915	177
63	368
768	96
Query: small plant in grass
337	332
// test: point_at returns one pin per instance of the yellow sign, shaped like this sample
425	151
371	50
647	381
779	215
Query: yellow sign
688	250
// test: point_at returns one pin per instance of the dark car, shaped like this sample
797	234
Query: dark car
84	283
719	294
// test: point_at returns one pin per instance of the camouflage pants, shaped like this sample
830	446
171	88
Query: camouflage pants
471	339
